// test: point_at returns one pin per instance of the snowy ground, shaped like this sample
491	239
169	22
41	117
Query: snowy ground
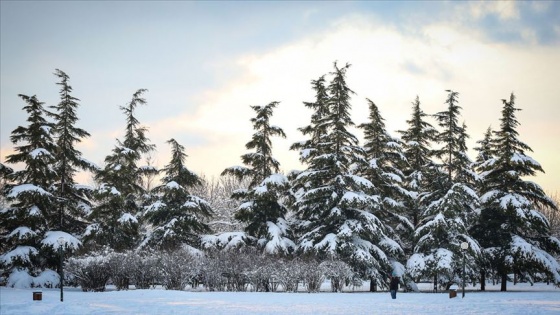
521	299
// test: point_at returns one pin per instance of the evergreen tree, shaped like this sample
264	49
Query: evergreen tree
262	209
511	229
417	140
74	204
450	206
337	217
384	170
177	218
318	128
114	217
483	160
31	210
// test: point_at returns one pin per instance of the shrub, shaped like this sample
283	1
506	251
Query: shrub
91	272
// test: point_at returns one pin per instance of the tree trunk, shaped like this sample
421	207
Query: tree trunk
435	283
482	280
372	285
504	282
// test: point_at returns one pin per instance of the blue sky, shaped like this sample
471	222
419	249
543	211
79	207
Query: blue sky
204	63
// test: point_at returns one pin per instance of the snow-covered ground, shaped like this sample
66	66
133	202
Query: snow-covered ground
521	299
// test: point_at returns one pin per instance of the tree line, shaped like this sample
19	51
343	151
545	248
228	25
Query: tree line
392	204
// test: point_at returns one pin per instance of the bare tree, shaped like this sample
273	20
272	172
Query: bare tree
218	193
552	214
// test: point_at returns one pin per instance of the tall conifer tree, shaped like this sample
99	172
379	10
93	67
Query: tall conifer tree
511	229
337	217
417	141
262	210
115	221
384	170
31	211
177	218
450	206
74	204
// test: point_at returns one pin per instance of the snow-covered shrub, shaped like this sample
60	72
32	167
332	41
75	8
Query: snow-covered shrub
211	271
144	268
290	273
120	269
338	272
264	273
178	269
313	275
91	272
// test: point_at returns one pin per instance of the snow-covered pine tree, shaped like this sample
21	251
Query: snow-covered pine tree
386	160
74	204
114	216
450	206
482	162
417	141
317	128
31	210
511	229
262	210
177	217
337	217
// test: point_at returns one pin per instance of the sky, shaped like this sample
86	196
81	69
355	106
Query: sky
205	63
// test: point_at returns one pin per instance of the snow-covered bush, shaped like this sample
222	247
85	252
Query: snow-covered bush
313	275
290	273
338	272
178	269
120	269
144	268
91	272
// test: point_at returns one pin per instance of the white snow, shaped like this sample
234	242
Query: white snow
22	232
38	152
25	188
522	299
127	217
21	252
51	239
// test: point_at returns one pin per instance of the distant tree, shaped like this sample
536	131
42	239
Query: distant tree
337	217
417	141
262	210
218	192
515	235
31	209
73	199
552	214
177	217
114	217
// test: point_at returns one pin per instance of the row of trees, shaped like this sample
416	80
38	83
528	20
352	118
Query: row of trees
400	205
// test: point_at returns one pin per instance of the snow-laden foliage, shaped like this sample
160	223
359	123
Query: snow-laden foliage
337	215
175	216
262	210
120	189
515	235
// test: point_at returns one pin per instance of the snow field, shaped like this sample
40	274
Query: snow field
522	299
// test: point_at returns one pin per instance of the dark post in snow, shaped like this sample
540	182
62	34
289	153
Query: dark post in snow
61	242
464	247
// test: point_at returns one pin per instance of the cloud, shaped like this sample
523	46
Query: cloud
504	10
391	68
